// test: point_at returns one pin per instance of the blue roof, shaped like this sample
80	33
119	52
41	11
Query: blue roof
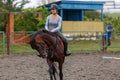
79	5
74	10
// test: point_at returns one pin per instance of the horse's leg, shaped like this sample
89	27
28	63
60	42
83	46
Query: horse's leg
54	71
104	44
51	72
50	69
60	71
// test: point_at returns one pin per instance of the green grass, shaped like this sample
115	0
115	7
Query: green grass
84	46
115	45
22	49
18	49
92	46
74	47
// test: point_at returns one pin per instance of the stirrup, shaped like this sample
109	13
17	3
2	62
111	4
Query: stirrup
67	54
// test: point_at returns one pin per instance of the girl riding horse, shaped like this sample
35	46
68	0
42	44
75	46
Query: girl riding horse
50	47
53	24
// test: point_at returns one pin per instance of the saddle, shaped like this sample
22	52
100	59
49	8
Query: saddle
54	35
51	33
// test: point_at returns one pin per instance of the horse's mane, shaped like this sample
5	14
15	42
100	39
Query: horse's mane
33	38
39	32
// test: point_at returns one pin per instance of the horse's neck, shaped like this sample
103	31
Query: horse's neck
49	40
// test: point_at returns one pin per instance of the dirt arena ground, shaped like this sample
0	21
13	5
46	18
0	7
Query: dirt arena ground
76	67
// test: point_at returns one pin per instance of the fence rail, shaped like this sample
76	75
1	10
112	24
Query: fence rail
78	41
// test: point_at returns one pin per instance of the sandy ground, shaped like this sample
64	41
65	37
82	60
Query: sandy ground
76	67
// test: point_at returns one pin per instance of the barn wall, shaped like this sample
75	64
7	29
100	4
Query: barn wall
82	26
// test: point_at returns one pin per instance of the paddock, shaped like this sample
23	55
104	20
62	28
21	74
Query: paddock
80	66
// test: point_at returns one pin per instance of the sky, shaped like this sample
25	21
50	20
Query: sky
110	5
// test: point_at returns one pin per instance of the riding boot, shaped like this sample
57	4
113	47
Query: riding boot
65	49
64	42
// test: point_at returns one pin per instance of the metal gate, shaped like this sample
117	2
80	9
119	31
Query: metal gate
77	42
20	43
2	42
84	41
115	42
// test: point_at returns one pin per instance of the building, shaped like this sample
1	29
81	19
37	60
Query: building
72	13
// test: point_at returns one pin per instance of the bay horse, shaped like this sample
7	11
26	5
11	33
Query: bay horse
50	47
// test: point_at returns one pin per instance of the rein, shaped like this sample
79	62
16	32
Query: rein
50	49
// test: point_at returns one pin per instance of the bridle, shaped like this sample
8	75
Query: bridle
48	49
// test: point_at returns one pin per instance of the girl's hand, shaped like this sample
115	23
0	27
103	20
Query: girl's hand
50	30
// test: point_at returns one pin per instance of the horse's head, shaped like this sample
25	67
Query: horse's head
39	44
43	41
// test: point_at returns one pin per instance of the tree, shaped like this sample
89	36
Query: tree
92	15
13	5
9	6
30	22
1	5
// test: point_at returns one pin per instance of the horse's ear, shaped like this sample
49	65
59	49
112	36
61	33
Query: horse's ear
44	30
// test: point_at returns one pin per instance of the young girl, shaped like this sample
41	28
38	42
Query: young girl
53	24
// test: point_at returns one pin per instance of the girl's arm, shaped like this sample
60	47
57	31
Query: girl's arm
59	25
46	24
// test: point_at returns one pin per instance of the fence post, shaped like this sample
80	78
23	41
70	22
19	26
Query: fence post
39	15
10	30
